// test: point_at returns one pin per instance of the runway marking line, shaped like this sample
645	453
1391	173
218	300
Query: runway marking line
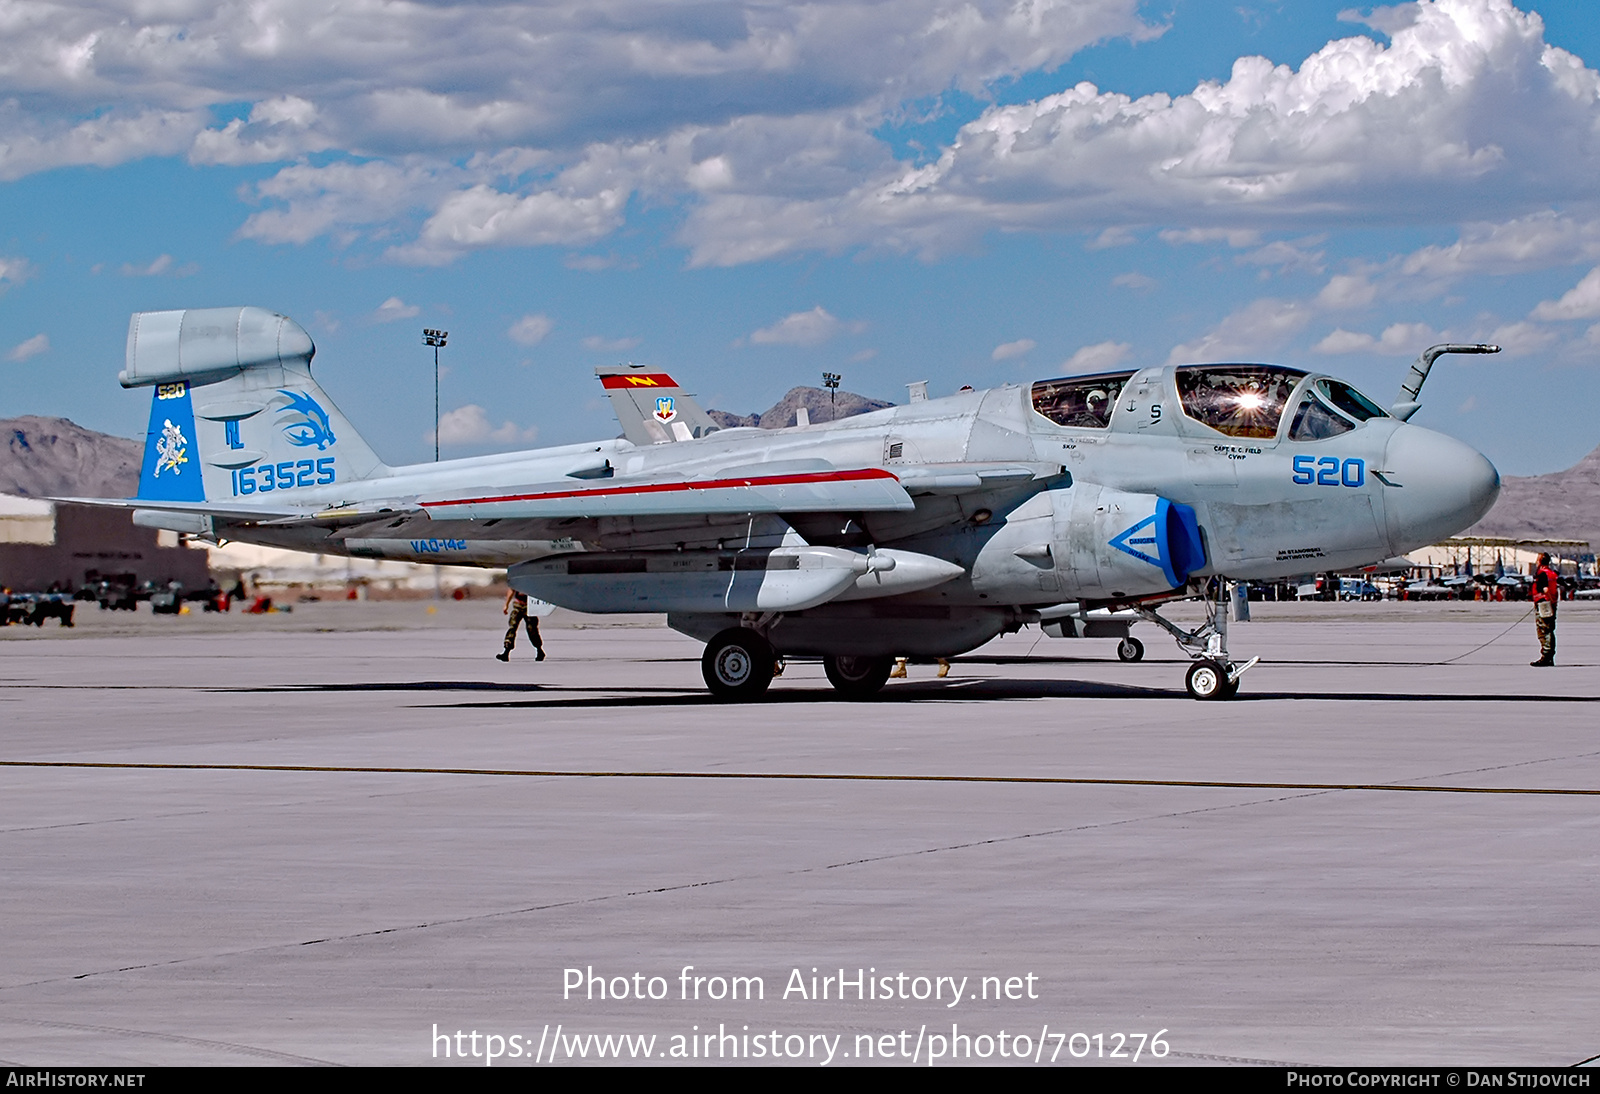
1041	780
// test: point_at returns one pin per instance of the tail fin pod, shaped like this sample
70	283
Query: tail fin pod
651	407
235	410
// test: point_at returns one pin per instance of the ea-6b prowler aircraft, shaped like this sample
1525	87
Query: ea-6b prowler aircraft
922	530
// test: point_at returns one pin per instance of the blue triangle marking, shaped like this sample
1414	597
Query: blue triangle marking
1125	541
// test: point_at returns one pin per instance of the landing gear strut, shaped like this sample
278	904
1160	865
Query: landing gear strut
1213	675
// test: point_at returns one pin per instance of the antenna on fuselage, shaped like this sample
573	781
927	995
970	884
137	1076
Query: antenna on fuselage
1407	404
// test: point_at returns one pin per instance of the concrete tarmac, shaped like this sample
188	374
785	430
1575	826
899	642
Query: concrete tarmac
343	835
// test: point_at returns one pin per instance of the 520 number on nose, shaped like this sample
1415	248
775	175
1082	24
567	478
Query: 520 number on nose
1329	471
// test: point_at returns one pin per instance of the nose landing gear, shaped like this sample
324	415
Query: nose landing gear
1208	679
1213	675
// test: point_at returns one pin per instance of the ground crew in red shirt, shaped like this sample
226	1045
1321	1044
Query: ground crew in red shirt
1546	595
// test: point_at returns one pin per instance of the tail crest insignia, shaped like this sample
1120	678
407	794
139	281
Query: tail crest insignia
311	426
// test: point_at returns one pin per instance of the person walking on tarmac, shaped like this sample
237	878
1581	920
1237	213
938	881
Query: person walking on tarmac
516	606
1546	595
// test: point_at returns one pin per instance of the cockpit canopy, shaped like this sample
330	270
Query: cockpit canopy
1083	402
1237	400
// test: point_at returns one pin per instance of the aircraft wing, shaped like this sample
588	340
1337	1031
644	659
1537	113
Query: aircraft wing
801	486
796	486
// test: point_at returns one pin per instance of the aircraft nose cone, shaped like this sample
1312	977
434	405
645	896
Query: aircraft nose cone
1443	486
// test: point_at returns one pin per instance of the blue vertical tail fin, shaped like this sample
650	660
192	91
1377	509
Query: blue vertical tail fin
235	411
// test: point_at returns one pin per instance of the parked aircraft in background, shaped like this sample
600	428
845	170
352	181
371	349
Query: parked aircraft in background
924	530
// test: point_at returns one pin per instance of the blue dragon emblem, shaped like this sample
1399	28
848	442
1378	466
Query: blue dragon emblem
312	427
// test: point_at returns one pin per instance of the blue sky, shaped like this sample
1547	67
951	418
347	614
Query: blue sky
748	195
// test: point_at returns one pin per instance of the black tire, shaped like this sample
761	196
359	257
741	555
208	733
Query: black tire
858	677
737	665
1208	680
1130	649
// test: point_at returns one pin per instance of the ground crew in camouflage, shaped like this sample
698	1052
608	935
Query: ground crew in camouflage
516	607
1546	595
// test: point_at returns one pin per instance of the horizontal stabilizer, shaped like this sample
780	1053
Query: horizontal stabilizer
257	514
205	344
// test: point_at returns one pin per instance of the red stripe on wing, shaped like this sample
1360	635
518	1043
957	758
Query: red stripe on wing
860	475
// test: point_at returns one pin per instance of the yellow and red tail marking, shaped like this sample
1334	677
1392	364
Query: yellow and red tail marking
647	379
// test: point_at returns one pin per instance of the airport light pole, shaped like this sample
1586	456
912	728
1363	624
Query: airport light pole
830	380
435	338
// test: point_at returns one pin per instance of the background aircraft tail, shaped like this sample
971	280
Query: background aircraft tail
235	411
651	407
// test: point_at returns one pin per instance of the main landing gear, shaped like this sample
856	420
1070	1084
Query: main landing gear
1213	675
858	677
739	664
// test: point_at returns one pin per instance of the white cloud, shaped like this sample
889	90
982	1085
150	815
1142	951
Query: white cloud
13	272
1521	338
1285	256
1407	339
22	351
160	266
1007	350
391	79
609	345
157	267
1397	340
1346	291
485	217
470	424
1237	238
444	128
394	309
1257	329
1582	301
803	328
1340	341
1112	237
1101	355
1536	241
33	141
1390	20
276	129
1138	282
1467	109
426	92
531	329
339	197
592	263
